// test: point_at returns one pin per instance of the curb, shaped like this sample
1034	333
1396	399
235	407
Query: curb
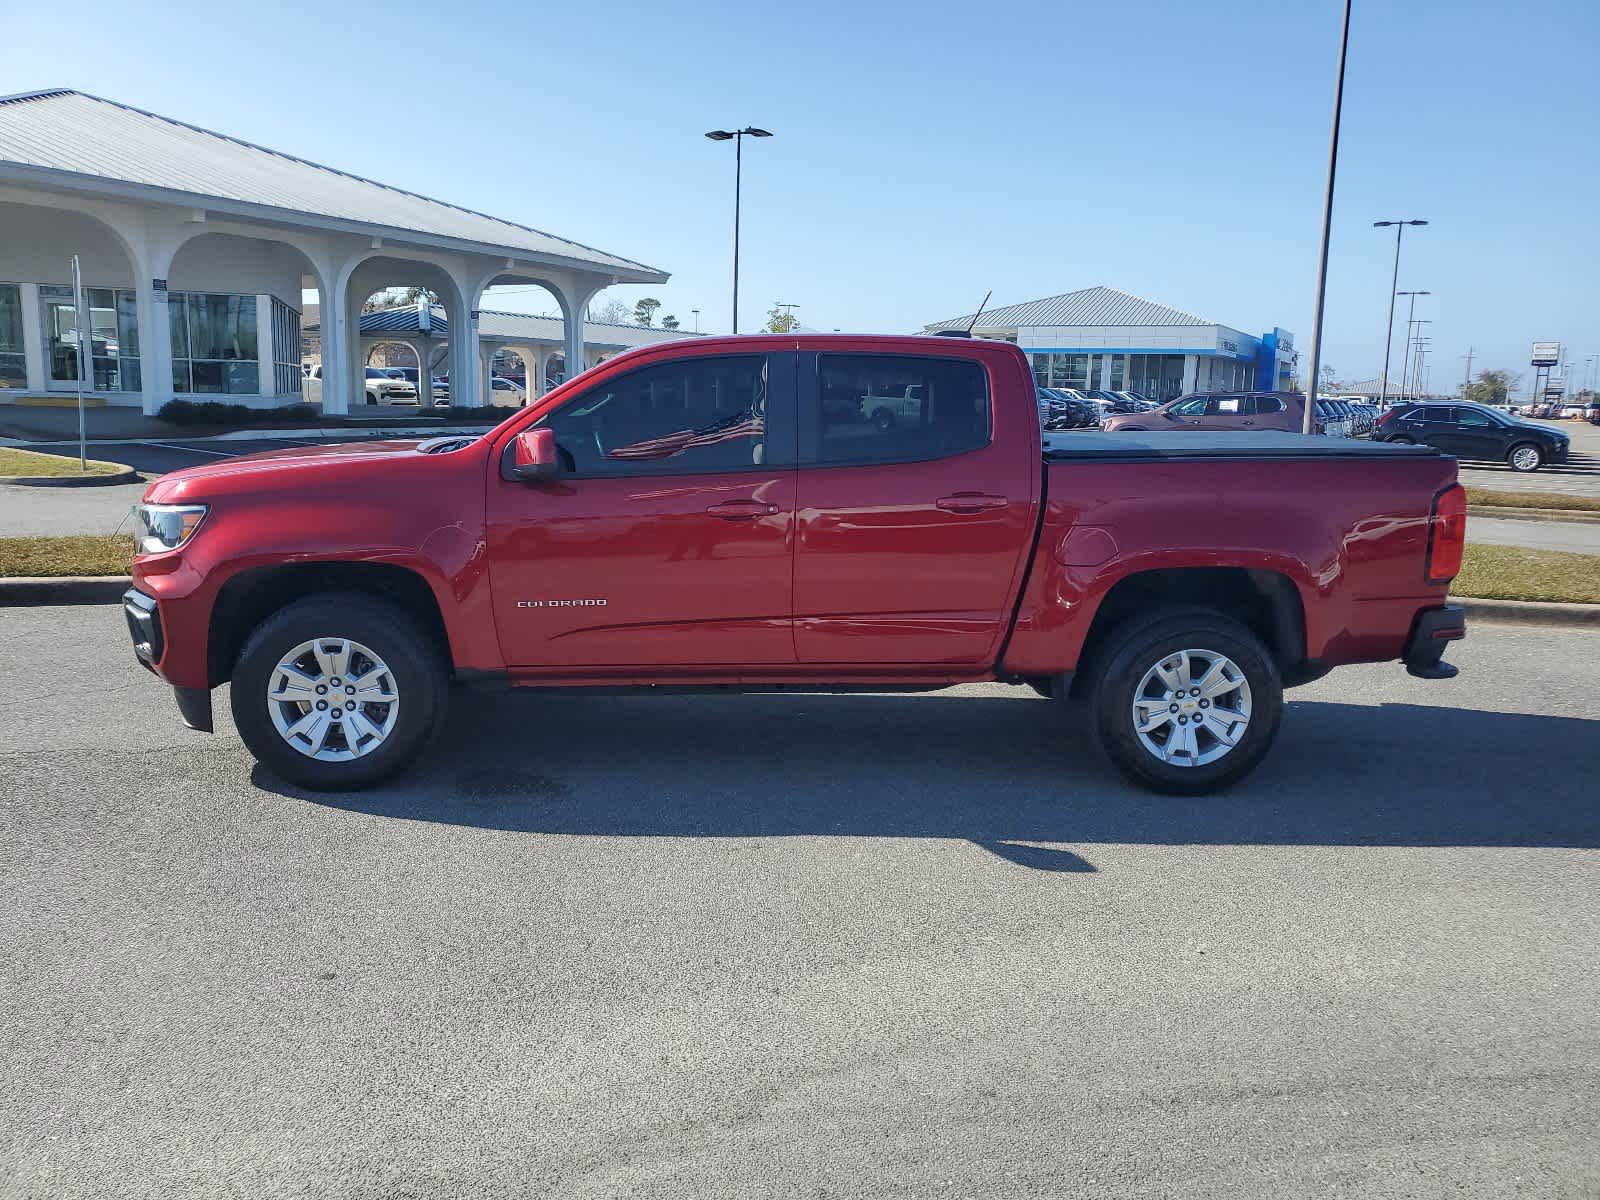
30	592
1578	515
126	475
1530	612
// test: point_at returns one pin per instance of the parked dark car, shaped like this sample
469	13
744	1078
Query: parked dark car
1474	431
1057	410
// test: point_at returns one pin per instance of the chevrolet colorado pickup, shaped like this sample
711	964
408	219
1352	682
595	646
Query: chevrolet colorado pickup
724	513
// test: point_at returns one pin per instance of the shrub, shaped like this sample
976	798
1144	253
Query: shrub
216	412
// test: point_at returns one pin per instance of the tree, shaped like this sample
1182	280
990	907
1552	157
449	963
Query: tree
612	312
669	322
644	312
781	321
1492	387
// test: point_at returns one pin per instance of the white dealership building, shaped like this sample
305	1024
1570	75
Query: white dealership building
1100	338
195	249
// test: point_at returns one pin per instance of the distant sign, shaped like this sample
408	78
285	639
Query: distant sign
1555	387
1546	354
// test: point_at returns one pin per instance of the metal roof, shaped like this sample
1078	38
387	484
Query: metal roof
405	321
1091	306
69	137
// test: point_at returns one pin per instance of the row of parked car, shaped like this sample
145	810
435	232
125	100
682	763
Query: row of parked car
1063	409
1069	408
1468	431
401	385
1570	410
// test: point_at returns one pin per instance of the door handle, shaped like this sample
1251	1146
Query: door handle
736	510
969	502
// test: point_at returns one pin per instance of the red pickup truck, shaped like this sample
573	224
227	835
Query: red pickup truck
727	513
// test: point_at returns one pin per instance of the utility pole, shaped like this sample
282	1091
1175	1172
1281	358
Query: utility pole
1466	380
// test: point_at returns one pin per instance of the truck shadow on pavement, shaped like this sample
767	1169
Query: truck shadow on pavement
1015	776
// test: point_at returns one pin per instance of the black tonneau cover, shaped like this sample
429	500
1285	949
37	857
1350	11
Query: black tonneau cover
1095	446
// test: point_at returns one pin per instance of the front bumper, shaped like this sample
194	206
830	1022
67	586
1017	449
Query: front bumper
143	615
1431	632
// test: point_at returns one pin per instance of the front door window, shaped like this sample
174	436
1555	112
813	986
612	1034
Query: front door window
113	339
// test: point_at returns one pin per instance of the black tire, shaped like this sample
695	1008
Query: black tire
1538	457
393	635
1401	441
883	419
1119	664
1131	429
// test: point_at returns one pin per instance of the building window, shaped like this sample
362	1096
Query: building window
113	337
286	373
13	367
214	344
1156	376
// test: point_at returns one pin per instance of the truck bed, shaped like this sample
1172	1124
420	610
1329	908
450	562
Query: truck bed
1267	445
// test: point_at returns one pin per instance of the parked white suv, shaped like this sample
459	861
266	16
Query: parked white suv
381	388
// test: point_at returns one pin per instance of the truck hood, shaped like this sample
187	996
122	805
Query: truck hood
266	466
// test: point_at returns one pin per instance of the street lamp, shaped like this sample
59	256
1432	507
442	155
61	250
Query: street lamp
737	137
1327	224
1394	282
1411	314
696	313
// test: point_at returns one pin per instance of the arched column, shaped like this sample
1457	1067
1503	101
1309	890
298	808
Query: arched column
575	296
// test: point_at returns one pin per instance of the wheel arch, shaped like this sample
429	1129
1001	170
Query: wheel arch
1267	602
253	595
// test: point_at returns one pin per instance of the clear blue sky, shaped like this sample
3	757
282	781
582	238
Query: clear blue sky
928	152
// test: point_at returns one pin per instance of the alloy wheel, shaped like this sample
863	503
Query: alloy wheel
333	699
1191	708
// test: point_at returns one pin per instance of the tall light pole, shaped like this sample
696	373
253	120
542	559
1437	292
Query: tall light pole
1394	282
1410	321
1327	222
696	314
737	137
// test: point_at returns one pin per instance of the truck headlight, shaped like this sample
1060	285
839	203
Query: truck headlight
161	527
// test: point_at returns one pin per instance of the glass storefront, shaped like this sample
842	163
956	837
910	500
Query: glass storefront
13	367
1158	376
113	331
214	344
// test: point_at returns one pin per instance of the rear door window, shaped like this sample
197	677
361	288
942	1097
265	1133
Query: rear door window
1225	406
872	408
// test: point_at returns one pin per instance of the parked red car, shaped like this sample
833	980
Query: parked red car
726	513
1236	412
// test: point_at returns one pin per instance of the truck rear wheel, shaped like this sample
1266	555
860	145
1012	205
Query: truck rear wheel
1186	702
338	691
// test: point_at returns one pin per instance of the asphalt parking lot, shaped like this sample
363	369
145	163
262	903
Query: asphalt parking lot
803	946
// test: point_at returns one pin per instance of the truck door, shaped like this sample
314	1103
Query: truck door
667	540
909	539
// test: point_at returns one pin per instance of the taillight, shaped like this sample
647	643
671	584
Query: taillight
1447	534
1388	416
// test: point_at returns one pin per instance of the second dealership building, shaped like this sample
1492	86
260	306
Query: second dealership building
1100	338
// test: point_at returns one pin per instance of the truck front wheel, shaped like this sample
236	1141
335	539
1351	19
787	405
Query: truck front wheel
338	691
1187	702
